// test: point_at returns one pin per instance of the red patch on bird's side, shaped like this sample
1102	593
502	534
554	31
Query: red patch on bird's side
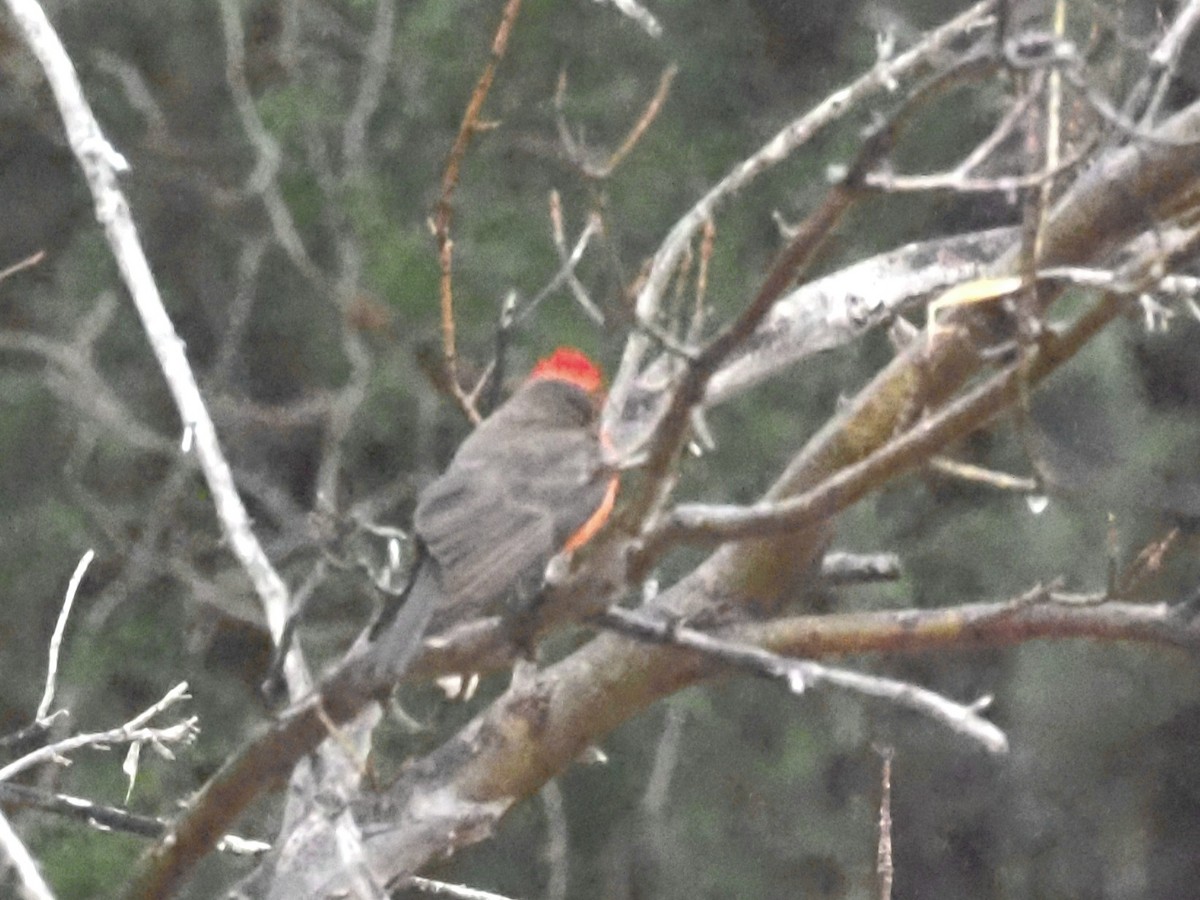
596	521
569	365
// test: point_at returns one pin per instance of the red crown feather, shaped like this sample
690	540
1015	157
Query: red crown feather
569	365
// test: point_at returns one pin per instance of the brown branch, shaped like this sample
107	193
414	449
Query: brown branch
703	523
1146	565
445	209
580	156
455	796
1036	615
708	240
1124	193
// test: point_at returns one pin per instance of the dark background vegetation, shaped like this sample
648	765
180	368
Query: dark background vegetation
771	795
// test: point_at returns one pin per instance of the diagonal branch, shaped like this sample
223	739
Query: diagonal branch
800	674
691	523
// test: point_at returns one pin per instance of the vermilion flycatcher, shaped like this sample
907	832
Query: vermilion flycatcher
528	483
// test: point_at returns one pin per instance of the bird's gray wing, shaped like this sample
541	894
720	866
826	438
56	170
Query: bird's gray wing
500	512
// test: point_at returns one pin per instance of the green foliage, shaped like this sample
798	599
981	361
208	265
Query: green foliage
82	867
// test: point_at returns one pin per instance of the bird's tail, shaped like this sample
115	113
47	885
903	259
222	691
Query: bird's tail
397	633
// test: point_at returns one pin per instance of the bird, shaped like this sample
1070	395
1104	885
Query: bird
529	482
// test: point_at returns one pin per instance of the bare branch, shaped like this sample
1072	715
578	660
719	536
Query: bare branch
668	432
684	396
558	845
33	885
884	867
60	628
109	818
27	263
1001	481
101	164
839	308
136	730
666	758
454	891
800	674
859	568
137	91
964	184
1163	67
566	274
582	157
445	209
76	381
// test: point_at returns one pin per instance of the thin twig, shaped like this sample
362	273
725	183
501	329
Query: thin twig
1001	481
666	760
1147	564
237	316
884	866
109	818
1004	128
649	114
807	239
136	89
444	214
708	240
133	731
1163	66
580	156
965	184
60	628
566	274
263	180
370	88
27	263
558	234
801	674
1077	75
